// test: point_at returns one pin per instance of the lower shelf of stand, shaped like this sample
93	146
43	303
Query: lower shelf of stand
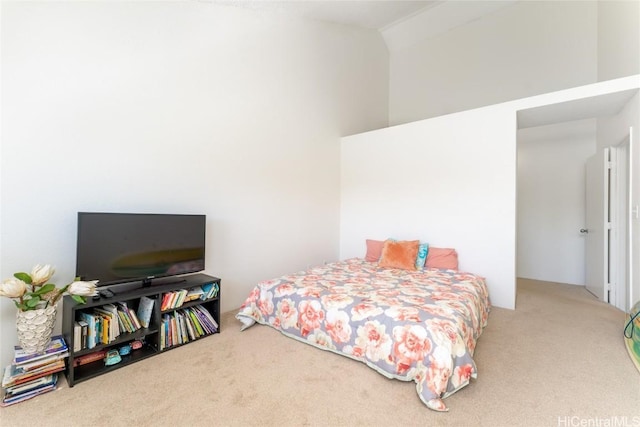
123	338
93	369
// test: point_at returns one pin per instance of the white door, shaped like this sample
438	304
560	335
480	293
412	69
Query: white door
597	229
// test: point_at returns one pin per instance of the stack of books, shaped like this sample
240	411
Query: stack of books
185	325
210	290
33	374
103	325
172	300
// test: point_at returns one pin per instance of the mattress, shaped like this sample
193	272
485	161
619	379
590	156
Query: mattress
411	325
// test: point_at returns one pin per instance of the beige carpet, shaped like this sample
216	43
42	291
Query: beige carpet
558	360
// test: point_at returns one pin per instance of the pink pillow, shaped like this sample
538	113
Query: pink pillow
374	250
401	254
443	258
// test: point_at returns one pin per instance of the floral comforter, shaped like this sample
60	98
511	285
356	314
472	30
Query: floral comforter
417	326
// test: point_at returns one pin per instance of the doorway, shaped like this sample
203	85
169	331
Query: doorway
613	113
551	193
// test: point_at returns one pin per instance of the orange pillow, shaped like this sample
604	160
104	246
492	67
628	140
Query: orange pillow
399	254
443	258
374	250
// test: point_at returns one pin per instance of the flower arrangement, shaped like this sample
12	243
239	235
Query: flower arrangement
31	291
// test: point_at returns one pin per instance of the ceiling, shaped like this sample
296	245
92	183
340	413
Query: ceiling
372	14
584	108
401	22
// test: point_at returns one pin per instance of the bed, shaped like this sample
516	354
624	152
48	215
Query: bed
412	325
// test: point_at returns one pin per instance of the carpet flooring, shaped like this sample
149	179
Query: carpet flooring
557	360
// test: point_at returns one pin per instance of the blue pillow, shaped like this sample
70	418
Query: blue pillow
423	249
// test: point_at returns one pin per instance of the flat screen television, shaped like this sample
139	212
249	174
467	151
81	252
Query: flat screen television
116	248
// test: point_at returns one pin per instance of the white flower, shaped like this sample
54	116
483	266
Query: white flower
30	291
13	288
41	274
83	288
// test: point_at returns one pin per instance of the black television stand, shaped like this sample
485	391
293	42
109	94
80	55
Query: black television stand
182	311
153	281
106	293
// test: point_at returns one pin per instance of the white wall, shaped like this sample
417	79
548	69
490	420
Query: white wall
524	49
449	181
181	107
618	39
551	200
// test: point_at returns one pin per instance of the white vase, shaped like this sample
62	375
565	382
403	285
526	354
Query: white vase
35	328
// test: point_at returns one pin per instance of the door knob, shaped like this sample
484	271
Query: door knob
584	231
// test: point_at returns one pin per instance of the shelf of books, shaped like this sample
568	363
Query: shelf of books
131	326
185	325
33	374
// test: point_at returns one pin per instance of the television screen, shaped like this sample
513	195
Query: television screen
127	247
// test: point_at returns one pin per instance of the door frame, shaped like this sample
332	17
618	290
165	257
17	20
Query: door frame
621	268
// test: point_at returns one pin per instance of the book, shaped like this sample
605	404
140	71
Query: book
196	322
136	322
165	301
77	336
14	375
112	329
178	327
210	317
206	290
207	318
121	324
126	323
91	328
172	300
29	385
12	398
183	325
112	312
83	335
174	331
57	345
105	327
182	294
167	330
127	317
89	358
189	325
194	294
203	322
215	288
39	363
145	308
164	332
98	328
210	290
